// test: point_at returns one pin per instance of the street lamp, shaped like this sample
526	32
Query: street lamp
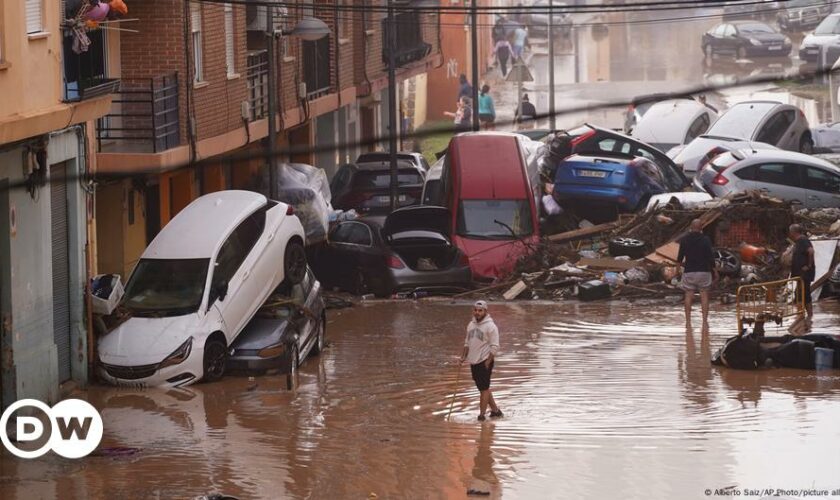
308	29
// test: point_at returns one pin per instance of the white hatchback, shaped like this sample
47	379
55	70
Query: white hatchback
197	285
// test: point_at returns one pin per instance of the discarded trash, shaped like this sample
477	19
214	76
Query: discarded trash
664	219
752	254
585	224
551	206
368	296
637	275
480	493
588	254
106	293
515	290
614	279
593	290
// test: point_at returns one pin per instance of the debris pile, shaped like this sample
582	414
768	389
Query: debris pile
635	257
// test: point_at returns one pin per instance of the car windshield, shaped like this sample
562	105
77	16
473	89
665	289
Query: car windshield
375	157
382	179
752	28
494	219
166	287
433	194
829	26
741	121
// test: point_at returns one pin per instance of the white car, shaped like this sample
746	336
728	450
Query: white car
786	175
826	138
671	123
694	156
827	33
197	285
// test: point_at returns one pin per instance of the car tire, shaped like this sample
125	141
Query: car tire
321	341
294	263
806	144
630	247
292	373
215	360
741	53
727	263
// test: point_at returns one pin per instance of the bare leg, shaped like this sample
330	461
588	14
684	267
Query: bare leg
485	398
492	401
704	306
689	300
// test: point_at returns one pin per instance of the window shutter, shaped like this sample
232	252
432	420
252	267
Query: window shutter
195	17
34	16
229	40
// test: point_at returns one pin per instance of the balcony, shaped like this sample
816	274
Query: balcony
410	46
316	68
257	75
144	117
85	74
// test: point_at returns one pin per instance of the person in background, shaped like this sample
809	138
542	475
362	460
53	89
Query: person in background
697	259
802	266
499	30
526	113
480	349
503	50
464	88
486	108
520	40
462	118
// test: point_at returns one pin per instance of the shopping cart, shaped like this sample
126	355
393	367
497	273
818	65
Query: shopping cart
772	301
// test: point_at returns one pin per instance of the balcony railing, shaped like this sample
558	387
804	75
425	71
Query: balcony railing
258	84
410	45
316	67
144	117
85	73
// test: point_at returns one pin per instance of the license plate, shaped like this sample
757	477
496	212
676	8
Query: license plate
775	47
387	199
598	174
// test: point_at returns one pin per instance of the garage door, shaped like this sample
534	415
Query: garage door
60	269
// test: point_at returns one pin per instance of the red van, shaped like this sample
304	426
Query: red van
494	214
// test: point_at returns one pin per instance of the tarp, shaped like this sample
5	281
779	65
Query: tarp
307	189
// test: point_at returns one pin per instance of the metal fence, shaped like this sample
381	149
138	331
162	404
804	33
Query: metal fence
257	74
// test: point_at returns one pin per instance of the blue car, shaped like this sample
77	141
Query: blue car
614	181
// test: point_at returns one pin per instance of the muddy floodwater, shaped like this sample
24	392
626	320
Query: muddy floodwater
601	401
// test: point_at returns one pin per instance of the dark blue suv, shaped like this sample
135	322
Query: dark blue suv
611	180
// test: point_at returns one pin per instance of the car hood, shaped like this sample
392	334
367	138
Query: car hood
814	40
145	341
261	333
417	218
492	259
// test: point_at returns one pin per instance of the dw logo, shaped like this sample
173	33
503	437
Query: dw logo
75	428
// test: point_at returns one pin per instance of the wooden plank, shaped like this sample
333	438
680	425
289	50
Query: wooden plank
515	290
608	264
582	233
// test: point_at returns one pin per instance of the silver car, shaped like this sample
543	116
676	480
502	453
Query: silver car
827	33
785	175
674	122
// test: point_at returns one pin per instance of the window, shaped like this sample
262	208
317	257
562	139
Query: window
719	31
238	246
700	125
168	287
195	26
818	179
230	59
494	219
776	127
366	180
611	145
778	173
353	233
729	30
34	16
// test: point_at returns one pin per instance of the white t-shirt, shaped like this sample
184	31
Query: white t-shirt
482	339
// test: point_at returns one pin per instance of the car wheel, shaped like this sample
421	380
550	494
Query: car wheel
742	52
806	144
294	263
633	248
320	342
215	359
727	263
292	374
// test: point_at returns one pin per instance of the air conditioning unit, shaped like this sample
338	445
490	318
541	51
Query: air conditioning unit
255	17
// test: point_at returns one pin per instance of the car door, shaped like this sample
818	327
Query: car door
354	252
774	129
699	126
781	180
822	187
232	289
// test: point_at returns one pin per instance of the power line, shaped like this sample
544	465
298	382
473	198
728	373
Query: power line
248	155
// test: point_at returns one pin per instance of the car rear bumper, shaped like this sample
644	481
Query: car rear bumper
623	198
409	280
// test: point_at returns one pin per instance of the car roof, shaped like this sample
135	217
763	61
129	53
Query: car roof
786	156
483	162
386	165
201	227
668	121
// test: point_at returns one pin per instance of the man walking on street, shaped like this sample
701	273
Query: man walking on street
480	348
802	265
698	261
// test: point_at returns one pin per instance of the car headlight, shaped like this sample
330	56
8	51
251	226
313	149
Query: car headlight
272	351
754	41
179	355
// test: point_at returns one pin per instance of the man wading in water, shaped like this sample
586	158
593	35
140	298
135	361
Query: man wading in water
480	349
698	261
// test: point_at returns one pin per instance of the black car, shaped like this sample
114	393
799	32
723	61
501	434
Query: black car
366	187
289	327
409	252
590	139
384	156
802	14
744	39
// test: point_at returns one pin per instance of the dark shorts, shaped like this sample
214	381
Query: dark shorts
481	375
486	118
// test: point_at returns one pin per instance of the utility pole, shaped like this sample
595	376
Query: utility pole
272	102
392	101
552	119
474	27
